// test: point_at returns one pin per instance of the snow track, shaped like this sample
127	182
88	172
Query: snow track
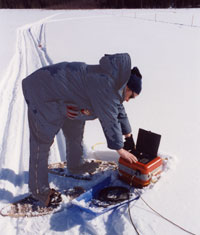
30	54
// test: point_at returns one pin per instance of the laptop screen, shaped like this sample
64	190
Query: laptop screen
148	142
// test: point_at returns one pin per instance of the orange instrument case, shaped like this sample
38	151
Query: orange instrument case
149	164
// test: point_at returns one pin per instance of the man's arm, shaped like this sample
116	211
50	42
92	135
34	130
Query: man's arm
123	120
108	114
129	143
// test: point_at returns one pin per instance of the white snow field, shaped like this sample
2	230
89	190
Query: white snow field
164	44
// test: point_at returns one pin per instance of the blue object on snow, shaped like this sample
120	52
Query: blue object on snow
82	202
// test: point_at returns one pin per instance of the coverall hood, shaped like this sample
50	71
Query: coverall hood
119	69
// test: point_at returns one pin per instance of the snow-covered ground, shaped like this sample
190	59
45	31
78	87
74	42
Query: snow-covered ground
164	44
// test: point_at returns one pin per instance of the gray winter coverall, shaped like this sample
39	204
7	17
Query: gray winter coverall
98	89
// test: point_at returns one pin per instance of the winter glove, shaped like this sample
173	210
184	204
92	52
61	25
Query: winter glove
72	111
129	143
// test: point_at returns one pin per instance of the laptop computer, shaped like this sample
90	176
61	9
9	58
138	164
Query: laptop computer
146	146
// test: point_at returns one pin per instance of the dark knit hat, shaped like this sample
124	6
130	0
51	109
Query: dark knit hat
135	81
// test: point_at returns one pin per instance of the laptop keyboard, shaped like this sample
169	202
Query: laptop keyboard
142	157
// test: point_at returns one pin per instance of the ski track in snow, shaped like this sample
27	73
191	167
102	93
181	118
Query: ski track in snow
30	55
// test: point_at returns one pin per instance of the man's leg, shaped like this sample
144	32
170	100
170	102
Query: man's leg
42	134
38	165
73	132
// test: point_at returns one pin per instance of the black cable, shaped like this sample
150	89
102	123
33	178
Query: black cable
116	194
166	218
178	226
129	211
113	195
154	212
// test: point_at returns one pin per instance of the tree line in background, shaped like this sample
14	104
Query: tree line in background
90	4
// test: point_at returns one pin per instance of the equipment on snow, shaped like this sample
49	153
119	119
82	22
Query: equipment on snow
111	195
89	201
149	164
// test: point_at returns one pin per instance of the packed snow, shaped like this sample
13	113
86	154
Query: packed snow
164	44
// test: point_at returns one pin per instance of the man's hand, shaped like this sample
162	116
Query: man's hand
127	156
